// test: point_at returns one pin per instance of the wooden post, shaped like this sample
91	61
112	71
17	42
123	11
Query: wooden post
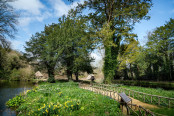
158	100
114	95
144	98
169	103
151	99
129	93
133	93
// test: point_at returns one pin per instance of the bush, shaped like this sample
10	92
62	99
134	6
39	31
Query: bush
15	75
15	102
51	80
22	74
26	73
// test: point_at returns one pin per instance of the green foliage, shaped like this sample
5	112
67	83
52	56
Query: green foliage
154	91
64	45
15	102
15	75
164	111
160	51
164	85
51	79
151	62
114	21
66	99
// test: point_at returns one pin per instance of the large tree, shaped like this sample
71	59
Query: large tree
46	47
64	44
160	47
113	21
78	46
8	21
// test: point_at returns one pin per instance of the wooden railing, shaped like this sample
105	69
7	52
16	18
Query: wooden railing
133	108
139	110
148	98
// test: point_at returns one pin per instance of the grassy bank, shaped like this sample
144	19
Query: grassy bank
63	99
152	84
157	91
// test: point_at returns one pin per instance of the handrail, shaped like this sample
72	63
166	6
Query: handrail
129	105
158	98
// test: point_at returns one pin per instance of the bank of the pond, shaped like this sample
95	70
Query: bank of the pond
8	90
63	99
152	84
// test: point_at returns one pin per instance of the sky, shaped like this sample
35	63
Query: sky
35	14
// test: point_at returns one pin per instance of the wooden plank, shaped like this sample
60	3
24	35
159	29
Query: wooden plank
124	97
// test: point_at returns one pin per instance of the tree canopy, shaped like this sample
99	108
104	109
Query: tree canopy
114	20
65	44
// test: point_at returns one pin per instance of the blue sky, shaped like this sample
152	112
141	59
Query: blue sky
35	14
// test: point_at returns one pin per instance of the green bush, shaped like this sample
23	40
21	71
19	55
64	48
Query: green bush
15	102
15	74
22	74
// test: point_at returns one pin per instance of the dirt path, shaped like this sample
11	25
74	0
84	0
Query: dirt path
115	96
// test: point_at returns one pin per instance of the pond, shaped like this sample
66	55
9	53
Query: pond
8	90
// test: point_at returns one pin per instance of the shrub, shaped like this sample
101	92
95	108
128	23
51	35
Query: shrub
15	102
22	74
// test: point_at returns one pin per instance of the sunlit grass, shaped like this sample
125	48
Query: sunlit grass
154	91
66	99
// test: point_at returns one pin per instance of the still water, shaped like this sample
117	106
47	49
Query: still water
9	89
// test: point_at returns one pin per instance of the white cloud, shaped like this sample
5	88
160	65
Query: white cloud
24	21
34	10
17	44
60	8
31	6
31	10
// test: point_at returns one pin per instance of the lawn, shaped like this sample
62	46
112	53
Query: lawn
63	99
154	91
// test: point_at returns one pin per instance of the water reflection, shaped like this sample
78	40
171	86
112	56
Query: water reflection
9	89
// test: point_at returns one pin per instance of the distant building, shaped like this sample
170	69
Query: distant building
39	75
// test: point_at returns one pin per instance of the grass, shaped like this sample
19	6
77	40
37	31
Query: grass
158	91
152	84
154	91
64	99
163	111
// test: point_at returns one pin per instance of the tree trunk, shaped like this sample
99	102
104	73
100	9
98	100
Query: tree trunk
69	74
110	60
50	74
171	66
77	76
132	76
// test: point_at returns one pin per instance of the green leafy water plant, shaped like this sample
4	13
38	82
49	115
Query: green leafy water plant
15	102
